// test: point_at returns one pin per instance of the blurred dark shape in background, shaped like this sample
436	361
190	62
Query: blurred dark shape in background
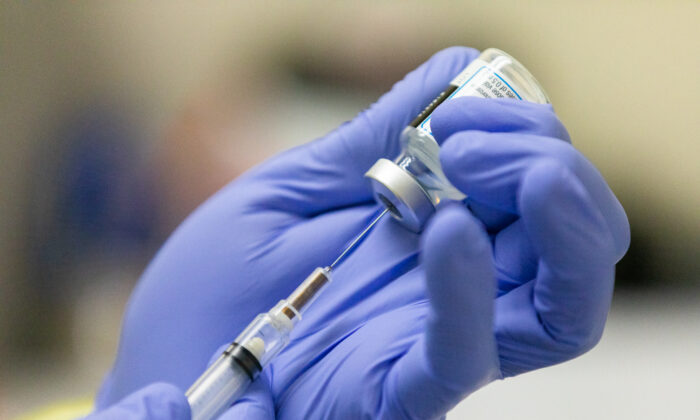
93	202
119	119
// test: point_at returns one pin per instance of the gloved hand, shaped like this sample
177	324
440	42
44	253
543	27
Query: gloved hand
158	401
411	324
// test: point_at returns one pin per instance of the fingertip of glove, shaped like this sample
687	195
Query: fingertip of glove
544	182
249	410
453	230
546	179
457	51
495	115
461	153
170	399
453	114
554	203
443	66
446	64
623	236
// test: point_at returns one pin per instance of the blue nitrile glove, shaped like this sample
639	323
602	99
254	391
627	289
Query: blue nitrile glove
158	401
396	334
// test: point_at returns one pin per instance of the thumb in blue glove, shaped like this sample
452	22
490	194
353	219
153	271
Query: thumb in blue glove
432	376
256	403
158	401
557	228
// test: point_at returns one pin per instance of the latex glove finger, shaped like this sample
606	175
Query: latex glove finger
490	167
154	402
495	115
574	283
562	313
470	113
329	172
515	259
457	354
256	403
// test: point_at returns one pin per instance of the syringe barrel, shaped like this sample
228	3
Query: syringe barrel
219	387
227	379
309	290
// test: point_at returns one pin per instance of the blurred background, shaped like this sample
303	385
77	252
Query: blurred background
118	118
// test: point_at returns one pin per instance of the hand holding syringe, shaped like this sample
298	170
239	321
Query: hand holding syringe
410	188
408	336
226	380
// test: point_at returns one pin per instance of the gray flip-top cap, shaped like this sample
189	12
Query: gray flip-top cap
401	193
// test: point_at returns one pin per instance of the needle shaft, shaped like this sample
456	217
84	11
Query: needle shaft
357	239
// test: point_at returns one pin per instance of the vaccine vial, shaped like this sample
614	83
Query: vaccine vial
413	184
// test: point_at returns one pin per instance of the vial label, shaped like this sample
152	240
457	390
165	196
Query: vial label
477	79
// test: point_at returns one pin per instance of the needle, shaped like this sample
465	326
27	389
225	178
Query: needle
357	240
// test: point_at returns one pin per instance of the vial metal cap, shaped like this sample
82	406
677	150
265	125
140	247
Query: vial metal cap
401	193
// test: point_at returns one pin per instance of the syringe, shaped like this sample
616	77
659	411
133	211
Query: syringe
226	380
